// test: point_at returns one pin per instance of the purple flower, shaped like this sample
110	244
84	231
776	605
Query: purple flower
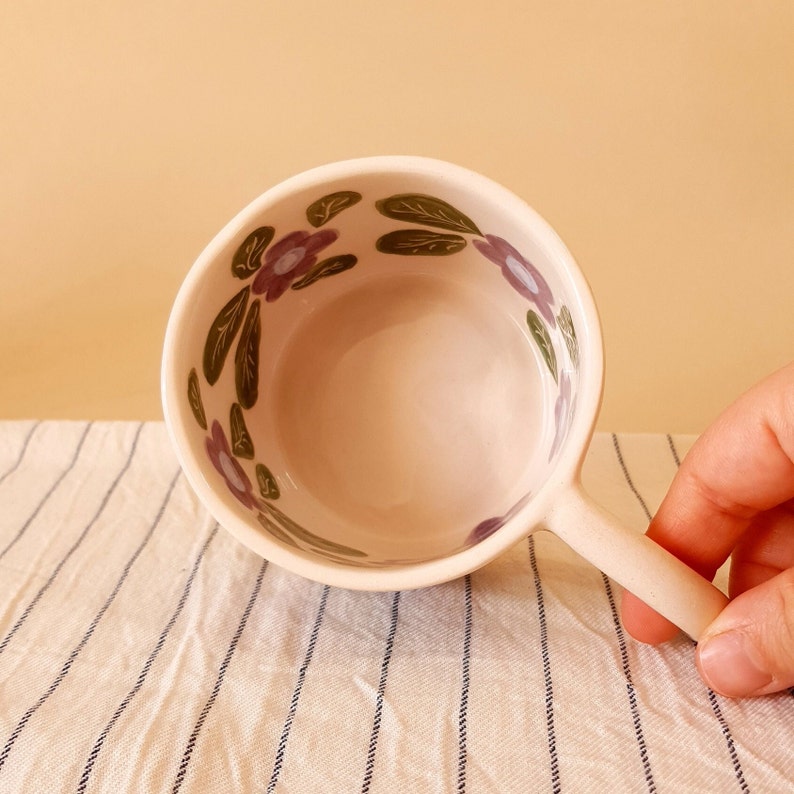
487	528
289	258
562	412
522	275
232	472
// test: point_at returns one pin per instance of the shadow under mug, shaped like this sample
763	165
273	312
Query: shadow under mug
385	372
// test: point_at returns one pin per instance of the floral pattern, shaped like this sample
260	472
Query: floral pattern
276	522
520	273
291	263
220	454
289	259
562	413
487	528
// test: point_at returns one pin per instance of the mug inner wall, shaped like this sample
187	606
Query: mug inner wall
398	380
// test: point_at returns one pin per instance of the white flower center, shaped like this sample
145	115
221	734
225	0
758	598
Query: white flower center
289	261
522	274
230	472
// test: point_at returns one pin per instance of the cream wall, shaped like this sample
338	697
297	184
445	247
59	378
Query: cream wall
658	139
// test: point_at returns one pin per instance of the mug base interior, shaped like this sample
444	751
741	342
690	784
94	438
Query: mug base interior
409	410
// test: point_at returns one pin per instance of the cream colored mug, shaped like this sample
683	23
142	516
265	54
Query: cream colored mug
385	372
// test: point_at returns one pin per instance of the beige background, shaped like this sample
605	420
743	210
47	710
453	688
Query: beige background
658	139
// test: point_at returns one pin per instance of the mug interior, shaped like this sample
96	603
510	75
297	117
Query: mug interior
378	364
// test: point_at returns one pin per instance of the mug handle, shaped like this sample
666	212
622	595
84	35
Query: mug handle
636	562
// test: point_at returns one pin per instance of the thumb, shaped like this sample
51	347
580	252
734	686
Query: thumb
749	649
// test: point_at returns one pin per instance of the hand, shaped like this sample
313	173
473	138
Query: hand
734	495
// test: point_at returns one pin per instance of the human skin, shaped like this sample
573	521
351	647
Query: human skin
734	496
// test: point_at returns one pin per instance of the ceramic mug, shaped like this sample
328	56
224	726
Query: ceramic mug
385	372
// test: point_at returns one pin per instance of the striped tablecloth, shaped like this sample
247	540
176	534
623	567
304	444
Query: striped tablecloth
142	649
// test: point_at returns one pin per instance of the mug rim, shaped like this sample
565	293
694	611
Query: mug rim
564	472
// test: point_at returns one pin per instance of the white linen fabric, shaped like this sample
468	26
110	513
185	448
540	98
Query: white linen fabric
143	649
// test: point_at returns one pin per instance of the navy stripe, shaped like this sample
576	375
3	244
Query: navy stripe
29	608
26	717
97	748
465	683
191	742
726	732
546	659
673	451
384	674
21	453
621	638
628	479
49	493
293	706
630	691
713	701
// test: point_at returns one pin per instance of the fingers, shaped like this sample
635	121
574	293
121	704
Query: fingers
749	649
739	468
644	623
765	550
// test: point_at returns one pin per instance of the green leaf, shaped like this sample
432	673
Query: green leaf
221	335
361	562
246	359
309	537
242	444
248	258
328	267
276	531
427	211
268	486
565	322
194	398
418	242
322	210
541	336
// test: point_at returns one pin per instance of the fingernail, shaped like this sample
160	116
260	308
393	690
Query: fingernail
728	667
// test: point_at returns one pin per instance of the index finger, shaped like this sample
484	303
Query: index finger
741	466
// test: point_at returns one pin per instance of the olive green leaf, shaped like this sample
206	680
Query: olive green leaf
242	445
221	335
248	258
246	359
194	398
322	210
328	267
565	322
276	531
268	486
541	336
309	537
427	211
343	560
418	242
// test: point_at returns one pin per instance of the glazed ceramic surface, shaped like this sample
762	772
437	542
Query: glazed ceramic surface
383	372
